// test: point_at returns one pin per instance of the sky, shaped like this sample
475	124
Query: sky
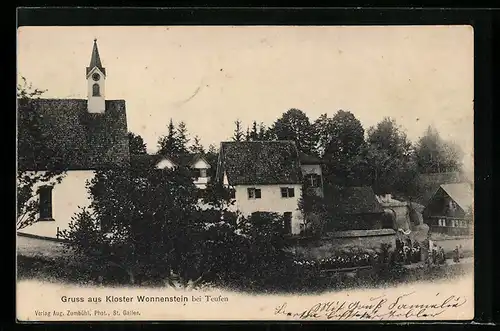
210	76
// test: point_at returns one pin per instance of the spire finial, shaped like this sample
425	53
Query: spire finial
95	40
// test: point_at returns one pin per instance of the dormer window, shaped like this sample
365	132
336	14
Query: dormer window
96	90
313	180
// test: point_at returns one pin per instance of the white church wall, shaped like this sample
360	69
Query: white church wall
67	198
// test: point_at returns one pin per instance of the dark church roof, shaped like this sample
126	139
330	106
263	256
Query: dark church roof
84	140
358	200
95	60
259	163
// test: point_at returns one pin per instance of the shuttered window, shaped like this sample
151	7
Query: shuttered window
45	196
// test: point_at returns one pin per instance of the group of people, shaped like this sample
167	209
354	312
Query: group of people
437	254
458	254
407	252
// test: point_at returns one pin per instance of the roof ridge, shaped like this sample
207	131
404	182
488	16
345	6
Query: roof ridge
259	141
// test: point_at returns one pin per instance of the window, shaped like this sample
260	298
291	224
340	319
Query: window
287	223
96	90
287	192
203	172
441	222
313	180
253	193
232	193
45	207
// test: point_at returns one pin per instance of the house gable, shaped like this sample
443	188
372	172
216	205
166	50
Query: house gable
453	200
200	163
165	163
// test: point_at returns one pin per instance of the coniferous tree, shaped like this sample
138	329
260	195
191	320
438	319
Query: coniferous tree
248	136
182	137
254	135
169	144
197	147
238	133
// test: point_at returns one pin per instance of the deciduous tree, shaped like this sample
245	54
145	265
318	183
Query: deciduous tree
135	223
437	155
341	138
136	144
295	125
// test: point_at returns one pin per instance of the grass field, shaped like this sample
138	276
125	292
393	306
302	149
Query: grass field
41	248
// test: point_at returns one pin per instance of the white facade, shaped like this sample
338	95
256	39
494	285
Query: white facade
67	198
270	200
311	169
165	164
201	165
314	177
96	91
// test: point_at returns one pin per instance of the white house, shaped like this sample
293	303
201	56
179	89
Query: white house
196	162
268	176
89	134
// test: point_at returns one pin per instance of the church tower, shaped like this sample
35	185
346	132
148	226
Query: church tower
96	77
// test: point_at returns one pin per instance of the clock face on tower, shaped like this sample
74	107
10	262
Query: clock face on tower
96	76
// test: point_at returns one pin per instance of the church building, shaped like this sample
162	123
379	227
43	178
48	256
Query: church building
87	134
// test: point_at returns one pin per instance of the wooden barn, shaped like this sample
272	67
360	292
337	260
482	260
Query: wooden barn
450	209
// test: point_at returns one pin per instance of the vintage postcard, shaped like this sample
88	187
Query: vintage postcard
245	173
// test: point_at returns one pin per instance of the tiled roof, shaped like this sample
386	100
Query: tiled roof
461	193
430	183
84	140
358	200
309	159
259	163
184	159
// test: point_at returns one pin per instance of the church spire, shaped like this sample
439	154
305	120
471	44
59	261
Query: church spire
96	77
95	60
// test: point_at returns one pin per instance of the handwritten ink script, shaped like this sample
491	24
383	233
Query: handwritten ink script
403	307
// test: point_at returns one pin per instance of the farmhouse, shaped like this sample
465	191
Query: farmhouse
88	134
268	176
449	210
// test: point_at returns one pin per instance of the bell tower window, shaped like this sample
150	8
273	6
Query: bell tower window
96	90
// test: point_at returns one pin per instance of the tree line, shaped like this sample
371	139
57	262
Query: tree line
381	156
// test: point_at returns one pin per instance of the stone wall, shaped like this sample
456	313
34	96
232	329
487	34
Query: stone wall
333	243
